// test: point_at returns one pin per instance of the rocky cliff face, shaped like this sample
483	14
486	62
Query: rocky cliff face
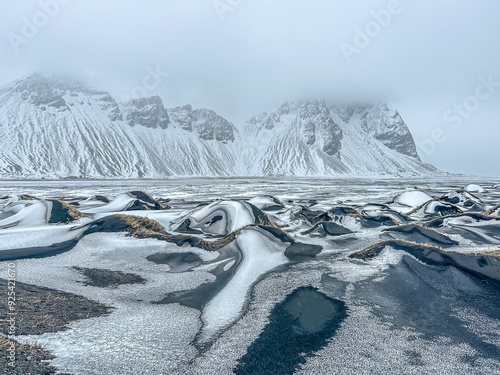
314	138
148	112
206	123
53	128
387	126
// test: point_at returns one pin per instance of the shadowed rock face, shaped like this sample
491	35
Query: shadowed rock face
299	326
314	121
210	125
206	123
42	91
387	126
148	112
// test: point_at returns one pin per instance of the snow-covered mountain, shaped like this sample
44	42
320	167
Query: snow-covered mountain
53	128
313	138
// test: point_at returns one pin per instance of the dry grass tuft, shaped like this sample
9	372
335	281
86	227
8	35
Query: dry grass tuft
491	210
142	227
28	197
374	250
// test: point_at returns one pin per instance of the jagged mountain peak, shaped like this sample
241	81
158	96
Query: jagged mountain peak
315	137
387	126
204	122
41	84
58	94
380	122
51	127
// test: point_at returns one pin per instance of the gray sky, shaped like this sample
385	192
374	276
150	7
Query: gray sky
244	57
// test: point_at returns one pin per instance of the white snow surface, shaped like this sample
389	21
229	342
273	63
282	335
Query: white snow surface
413	199
474	188
235	215
261	253
120	203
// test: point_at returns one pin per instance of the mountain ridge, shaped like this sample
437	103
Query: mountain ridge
51	128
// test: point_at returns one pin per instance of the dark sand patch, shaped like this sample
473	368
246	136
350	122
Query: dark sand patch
145	202
178	262
298	327
41	310
301	251
327	228
103	278
29	359
419	234
63	213
38	252
198	297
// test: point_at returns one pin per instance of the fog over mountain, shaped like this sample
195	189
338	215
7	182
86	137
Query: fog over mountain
55	128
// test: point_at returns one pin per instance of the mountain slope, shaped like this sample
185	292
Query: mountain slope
312	138
52	128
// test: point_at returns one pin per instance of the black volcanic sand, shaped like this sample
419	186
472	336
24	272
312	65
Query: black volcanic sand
29	359
484	266
178	262
327	228
38	251
41	310
429	298
145	202
419	234
106	278
198	297
63	213
298	327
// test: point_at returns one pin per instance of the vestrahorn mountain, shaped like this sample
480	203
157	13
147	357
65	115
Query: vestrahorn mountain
51	128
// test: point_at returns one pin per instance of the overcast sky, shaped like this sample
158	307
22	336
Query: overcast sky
244	57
